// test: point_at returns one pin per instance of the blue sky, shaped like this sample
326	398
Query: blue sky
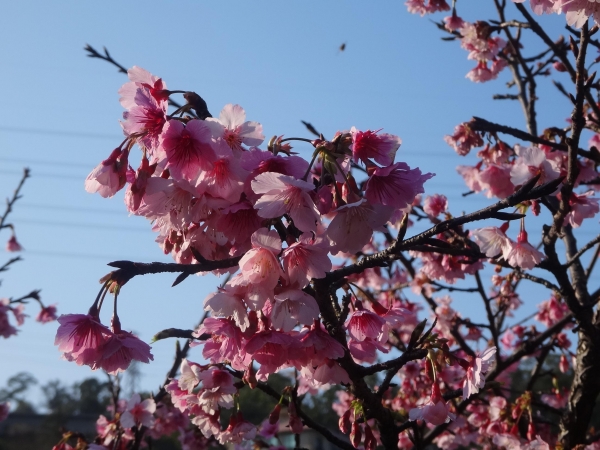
279	60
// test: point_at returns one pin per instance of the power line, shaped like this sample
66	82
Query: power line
96	226
68	255
50	163
85	134
72	208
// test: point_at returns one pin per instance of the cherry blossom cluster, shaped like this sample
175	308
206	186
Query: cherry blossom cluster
322	285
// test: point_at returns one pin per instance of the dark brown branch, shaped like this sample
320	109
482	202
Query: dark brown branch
129	269
482	125
10	202
582	250
526	192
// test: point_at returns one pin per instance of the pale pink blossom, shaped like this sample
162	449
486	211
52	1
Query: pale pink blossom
434	205
435	412
330	372
282	194
396	185
138	181
492	241
583	206
238	430
305	260
453	22
228	302
381	147
110	175
292	307
464	139
225	341
530	162
188	378
138	413
497	180
238	221
523	254
476	371
224	179
423	7
353	225
260	266
141	86
120	350
318	345
237	130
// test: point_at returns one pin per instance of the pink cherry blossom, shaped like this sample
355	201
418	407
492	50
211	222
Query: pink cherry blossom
381	147
237	130
523	254
80	337
228	302
46	314
238	430
318	345
423	7
305	260
435	411
330	372
238	221
260	266
146	120
13	245
583	206
188	375
225	341
109	176
478	368
492	241
497	180
363	324
224	180
120	350
464	139
530	162
282	194
189	148
141	86
292	307
435	205
138	413
6	329
137	189
396	185
352	227
272	350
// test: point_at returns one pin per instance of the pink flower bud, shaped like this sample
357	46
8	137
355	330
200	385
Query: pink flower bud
345	423
355	435
274	416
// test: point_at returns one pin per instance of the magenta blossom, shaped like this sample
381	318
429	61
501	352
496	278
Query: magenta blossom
80	337
13	245
369	144
4	410
305	260
47	314
523	254
189	148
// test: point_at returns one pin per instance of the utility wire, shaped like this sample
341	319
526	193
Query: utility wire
78	134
